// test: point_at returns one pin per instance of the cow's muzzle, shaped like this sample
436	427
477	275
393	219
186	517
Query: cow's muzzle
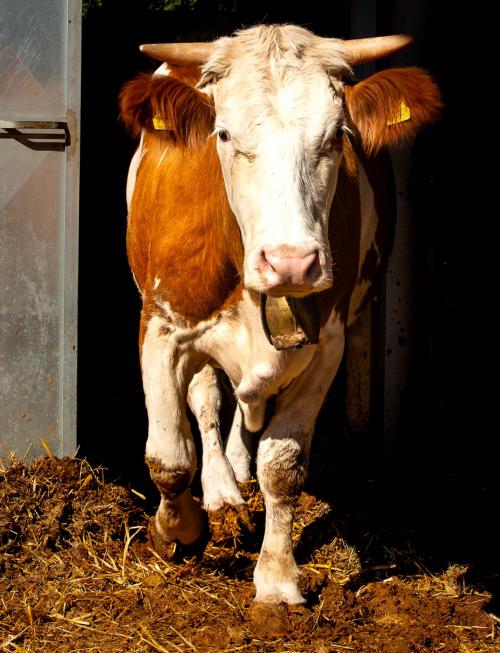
286	271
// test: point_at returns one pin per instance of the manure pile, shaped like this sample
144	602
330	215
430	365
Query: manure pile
77	574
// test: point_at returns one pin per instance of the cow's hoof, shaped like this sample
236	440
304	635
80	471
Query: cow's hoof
164	549
270	619
229	523
174	550
245	517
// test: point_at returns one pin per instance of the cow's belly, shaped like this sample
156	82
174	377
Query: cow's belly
257	371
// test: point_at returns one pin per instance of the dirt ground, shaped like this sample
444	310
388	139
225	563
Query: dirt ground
77	574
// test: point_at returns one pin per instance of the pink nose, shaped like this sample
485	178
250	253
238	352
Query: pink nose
280	267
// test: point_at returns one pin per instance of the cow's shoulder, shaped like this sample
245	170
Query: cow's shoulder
183	241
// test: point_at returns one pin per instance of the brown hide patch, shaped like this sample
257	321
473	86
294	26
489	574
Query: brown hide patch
380	175
187	114
182	231
374	102
345	229
344	236
370	264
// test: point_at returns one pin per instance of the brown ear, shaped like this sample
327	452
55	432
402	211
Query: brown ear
392	106
168	107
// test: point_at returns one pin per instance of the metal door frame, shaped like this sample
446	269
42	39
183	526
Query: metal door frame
62	133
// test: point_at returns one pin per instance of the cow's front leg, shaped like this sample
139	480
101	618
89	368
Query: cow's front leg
282	460
248	418
217	477
167	368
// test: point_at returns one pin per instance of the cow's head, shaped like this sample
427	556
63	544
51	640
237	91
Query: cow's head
277	104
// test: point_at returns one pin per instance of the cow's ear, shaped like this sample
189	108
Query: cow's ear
392	106
167	106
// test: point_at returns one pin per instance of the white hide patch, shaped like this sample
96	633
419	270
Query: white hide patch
162	71
279	167
256	369
132	171
217	477
239	447
163	377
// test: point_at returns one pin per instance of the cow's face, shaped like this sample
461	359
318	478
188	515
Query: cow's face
280	149
279	125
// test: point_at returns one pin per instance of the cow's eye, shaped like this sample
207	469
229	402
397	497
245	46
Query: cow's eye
333	141
224	135
339	132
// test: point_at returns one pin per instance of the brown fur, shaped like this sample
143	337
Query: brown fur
344	236
374	101
180	224
182	230
188	114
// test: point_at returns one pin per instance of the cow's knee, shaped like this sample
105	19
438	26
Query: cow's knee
170	481
281	468
179	516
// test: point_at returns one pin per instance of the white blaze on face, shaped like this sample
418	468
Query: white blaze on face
279	125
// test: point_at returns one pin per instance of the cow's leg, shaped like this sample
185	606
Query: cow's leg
282	465
167	369
217	477
247	419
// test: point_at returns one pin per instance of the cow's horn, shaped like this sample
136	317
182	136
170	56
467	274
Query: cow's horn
359	51
181	54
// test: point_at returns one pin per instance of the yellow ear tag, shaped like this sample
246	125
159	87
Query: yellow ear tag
160	124
403	113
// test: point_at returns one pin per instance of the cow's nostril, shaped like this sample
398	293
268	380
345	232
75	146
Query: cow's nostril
314	269
294	270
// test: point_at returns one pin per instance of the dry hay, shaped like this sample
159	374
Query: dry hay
77	574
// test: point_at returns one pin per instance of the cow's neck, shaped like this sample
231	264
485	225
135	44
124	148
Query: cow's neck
198	253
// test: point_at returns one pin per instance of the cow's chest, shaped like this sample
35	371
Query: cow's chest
238	344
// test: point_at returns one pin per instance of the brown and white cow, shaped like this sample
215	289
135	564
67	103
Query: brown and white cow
256	224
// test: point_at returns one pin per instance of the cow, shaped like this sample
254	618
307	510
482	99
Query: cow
259	199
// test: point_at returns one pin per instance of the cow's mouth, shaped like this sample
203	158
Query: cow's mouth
290	322
296	292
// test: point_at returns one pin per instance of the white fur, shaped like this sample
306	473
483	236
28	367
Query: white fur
217	476
132	172
279	178
162	71
240	346
291	427
164	374
239	447
276	574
